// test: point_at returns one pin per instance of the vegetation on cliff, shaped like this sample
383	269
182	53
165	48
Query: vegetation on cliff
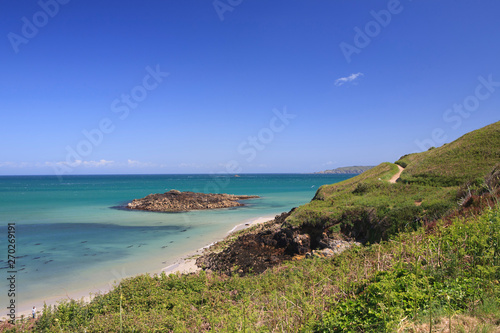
430	261
465	160
433	184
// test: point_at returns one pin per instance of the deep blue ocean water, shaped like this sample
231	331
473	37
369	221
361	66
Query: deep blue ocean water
69	239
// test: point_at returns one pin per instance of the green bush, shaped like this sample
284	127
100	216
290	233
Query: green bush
456	270
401	163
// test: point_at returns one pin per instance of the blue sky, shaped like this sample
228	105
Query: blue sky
239	86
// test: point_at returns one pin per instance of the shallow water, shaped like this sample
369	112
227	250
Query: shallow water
69	239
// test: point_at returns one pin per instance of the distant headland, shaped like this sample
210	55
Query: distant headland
346	170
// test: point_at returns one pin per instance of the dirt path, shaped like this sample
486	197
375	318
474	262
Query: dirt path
396	176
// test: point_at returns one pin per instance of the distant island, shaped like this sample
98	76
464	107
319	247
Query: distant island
347	170
177	201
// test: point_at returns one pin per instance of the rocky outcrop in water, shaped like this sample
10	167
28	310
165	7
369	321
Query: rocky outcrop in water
176	201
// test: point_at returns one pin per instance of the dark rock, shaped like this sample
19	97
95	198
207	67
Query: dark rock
176	201
269	246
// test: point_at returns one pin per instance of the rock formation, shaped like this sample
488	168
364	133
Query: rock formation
176	201
268	246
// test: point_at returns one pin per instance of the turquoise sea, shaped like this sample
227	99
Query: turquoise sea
71	241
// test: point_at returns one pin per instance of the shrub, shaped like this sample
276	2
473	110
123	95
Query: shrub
401	163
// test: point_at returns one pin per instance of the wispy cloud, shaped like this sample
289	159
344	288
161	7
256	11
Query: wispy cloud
97	164
191	165
92	164
77	163
12	164
139	164
347	79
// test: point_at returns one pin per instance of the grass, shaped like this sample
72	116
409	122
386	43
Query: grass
454	270
464	160
368	208
444	276
398	285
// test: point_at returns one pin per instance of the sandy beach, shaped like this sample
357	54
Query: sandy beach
183	265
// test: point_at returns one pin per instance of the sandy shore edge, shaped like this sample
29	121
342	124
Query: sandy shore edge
187	264
183	265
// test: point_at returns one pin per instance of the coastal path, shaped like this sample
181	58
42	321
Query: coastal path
396	176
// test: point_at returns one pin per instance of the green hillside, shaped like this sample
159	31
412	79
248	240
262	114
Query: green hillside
465	159
369	208
430	261
434	183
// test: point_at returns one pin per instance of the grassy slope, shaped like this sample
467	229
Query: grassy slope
465	159
432	279
415	279
368	208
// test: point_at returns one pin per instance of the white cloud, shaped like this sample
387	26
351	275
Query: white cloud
80	164
190	165
8	164
350	78
97	164
77	163
139	164
15	164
